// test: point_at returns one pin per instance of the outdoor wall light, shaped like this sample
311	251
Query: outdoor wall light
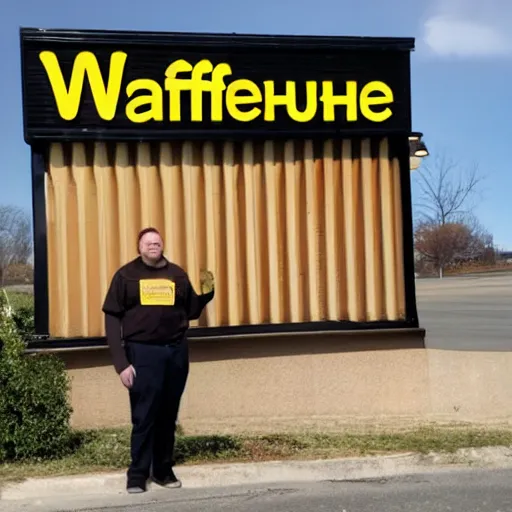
421	150
417	150
417	146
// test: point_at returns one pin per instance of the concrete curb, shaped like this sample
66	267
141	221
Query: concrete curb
224	475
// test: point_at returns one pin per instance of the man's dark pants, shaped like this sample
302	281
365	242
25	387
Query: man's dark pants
161	375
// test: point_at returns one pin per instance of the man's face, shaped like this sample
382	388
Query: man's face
151	246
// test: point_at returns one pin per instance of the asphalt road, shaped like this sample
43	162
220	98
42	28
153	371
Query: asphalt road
467	313
454	491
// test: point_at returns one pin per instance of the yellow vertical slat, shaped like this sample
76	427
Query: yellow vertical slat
312	232
388	232
213	198
350	229
354	233
341	236
280	182
272	204
108	220
244	292
66	242
371	227
150	188
295	284
190	176
332	247
219	209
377	237
232	240
200	236
54	297
87	228
399	245
261	234
173	203
128	202
321	256
251	235
60	179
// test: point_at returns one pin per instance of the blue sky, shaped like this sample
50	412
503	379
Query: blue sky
461	69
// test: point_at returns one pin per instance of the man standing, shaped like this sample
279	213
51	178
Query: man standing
147	311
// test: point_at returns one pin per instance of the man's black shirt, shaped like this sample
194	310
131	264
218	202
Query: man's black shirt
151	304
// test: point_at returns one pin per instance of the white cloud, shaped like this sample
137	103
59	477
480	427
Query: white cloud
469	28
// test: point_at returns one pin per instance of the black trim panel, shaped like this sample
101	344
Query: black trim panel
233	331
408	234
114	135
41	306
269	41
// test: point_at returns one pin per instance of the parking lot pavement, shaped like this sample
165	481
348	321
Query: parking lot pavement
467	313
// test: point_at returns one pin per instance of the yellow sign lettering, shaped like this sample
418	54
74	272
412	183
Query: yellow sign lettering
197	86
232	100
203	78
289	100
105	97
367	100
330	101
176	85
220	71
155	112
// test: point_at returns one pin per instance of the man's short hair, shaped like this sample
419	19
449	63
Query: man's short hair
147	230
144	232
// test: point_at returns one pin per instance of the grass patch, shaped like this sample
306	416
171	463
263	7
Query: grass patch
108	450
22	304
19	300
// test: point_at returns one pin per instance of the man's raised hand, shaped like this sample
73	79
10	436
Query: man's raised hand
207	281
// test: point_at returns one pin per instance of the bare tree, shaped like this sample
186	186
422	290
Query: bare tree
446	229
446	191
15	238
444	244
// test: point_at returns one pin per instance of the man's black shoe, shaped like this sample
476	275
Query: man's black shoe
169	481
135	488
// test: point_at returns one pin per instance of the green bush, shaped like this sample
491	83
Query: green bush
34	408
23	312
24	319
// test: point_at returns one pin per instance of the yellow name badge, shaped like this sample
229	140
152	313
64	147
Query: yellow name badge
157	292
